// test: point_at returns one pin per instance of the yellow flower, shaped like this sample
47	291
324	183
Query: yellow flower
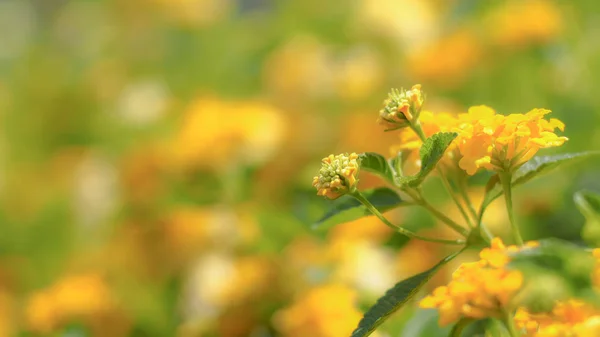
216	133
325	311
435	63
73	297
478	289
570	318
338	175
520	23
401	107
503	143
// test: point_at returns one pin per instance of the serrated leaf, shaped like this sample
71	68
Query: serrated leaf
530	170
588	204
377	164
347	208
431	152
395	298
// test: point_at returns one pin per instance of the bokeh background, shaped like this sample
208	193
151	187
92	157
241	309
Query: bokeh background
156	156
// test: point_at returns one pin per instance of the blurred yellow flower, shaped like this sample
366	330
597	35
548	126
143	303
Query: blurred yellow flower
82	296
7	319
570	318
447	61
338	175
503	143
478	289
519	23
197	13
358	74
303	67
215	133
325	311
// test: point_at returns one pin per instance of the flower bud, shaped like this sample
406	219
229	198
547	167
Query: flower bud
338	175
401	108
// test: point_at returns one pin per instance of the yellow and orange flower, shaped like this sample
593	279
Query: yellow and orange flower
503	143
338	175
478	289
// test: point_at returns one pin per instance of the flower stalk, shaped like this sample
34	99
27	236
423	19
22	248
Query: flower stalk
403	231
506	181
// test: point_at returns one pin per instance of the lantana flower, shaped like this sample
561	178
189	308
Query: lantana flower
478	289
402	107
503	143
338	175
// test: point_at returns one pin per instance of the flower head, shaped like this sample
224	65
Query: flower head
401	107
338	175
478	289
503	143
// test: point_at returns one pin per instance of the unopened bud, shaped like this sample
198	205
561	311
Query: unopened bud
338	175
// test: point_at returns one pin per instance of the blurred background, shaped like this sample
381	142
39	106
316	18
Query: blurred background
156	156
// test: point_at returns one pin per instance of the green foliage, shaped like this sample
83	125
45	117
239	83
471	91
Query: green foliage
530	170
424	322
488	327
376	163
347	208
431	152
395	298
588	204
553	271
460	326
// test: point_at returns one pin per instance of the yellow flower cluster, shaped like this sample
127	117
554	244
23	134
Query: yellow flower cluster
478	289
486	139
568	319
498	142
572	318
325	311
401	107
73	297
338	175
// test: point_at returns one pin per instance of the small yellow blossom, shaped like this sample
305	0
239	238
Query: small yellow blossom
338	175
478	289
497	142
401	108
325	311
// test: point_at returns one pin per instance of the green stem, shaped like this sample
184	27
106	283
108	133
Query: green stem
506	179
446	184
418	198
399	229
416	127
463	192
510	324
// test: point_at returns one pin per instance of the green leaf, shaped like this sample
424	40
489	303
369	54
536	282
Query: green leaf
458	328
431	152
395	298
376	163
588	204
530	170
554	271
347	208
